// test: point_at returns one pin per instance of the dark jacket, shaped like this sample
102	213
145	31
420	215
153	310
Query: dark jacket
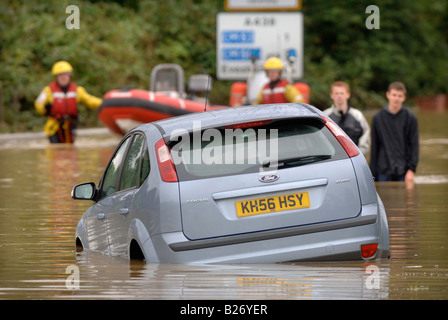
354	125
394	142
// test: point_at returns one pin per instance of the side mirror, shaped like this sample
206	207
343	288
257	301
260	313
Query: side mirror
84	191
200	83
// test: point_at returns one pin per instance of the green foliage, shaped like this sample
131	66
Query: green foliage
410	46
119	42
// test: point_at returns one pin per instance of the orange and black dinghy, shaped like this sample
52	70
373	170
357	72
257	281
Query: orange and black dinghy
124	109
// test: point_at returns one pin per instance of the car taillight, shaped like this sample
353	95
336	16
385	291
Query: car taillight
166	165
246	125
369	250
347	143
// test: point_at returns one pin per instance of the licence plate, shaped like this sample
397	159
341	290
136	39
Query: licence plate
282	202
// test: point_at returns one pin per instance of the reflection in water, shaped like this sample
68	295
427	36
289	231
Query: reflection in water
138	280
401	212
37	217
418	235
38	220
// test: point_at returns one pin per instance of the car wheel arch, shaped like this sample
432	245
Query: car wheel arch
138	246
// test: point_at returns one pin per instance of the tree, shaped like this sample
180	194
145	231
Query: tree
119	42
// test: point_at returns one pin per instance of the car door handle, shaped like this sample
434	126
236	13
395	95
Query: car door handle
101	216
124	212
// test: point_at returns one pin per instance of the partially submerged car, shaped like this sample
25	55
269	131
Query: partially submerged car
253	184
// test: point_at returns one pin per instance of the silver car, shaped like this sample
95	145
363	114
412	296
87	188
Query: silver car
254	184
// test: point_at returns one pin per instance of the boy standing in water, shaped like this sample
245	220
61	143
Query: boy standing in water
395	147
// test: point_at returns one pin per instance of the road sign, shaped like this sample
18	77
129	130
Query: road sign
263	5
260	34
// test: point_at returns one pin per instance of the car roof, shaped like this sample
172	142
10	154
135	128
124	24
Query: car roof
234	115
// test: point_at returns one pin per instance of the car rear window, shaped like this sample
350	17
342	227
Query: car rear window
252	147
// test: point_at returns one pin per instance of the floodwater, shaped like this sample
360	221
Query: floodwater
38	259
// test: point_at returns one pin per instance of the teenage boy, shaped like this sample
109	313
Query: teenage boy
395	148
351	120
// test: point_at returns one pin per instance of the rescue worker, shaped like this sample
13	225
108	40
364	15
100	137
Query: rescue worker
277	90
59	102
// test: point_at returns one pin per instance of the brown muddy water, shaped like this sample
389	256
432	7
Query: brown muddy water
38	218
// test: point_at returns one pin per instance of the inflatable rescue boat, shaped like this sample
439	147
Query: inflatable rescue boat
124	109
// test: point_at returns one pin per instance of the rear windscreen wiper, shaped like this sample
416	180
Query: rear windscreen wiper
305	159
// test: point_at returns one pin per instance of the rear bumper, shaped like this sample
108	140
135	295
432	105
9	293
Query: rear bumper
273	234
335	240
